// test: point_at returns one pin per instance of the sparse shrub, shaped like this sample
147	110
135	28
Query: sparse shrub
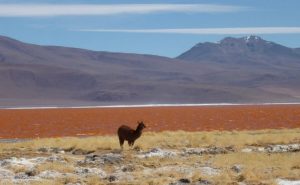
240	178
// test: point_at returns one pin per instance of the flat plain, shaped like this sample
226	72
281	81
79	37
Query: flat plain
32	123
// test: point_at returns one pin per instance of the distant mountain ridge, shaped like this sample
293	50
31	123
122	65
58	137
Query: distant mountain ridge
248	48
237	70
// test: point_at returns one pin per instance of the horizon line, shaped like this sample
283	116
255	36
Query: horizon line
137	52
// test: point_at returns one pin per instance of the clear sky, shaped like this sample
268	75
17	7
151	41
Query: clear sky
165	28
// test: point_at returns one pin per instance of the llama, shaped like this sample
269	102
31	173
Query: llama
129	134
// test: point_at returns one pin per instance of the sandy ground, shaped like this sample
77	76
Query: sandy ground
105	121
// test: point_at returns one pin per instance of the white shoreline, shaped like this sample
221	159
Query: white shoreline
144	105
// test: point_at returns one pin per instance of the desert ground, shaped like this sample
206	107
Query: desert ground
199	145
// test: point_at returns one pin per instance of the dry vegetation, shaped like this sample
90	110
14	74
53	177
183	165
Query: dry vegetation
168	139
256	167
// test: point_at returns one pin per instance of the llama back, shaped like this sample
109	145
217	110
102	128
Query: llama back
124	131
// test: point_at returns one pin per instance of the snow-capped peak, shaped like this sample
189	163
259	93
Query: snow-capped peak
251	38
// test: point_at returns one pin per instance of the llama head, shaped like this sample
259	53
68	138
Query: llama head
141	125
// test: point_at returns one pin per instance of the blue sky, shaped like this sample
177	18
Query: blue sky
165	28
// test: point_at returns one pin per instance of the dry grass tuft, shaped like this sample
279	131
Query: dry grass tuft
94	180
55	166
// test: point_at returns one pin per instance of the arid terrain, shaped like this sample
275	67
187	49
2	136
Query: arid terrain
168	158
232	144
32	123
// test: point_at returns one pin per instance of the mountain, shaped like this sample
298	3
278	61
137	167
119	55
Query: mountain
247	50
250	62
234	70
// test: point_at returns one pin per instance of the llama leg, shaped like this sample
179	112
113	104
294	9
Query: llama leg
121	142
130	143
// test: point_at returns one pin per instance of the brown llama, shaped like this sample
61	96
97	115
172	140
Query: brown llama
129	134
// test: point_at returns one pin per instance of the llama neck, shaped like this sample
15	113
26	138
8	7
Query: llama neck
138	131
